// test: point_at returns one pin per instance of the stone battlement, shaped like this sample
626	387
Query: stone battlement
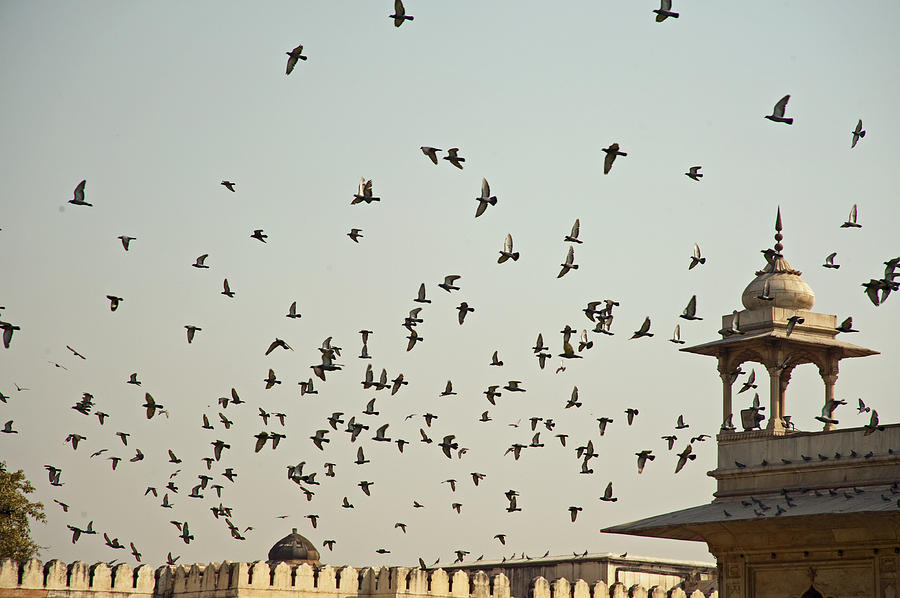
33	579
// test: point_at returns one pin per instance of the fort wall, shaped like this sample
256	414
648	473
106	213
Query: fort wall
55	579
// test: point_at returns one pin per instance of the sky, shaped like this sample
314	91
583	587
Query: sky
153	104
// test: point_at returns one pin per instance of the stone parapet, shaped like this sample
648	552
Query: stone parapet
34	579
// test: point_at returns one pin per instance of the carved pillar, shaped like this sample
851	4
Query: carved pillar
785	380
775	400
725	375
829	375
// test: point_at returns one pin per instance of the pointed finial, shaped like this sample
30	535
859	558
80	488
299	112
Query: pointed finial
778	235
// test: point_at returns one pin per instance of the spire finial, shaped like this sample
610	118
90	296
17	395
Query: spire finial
778	235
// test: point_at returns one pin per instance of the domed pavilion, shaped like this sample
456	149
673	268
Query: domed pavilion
294	549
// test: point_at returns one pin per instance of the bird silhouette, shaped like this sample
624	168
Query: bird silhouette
399	15
611	153
778	112
665	11
857	133
78	197
293	56
485	199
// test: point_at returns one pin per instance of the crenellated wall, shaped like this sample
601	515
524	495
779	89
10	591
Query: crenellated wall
55	579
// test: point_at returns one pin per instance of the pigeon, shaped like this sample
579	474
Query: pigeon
448	390
846	326
696	258
631	413
495	360
319	439
643	457
293	56
690	311
270	380
851	219
8	429
791	323
611	152
680	425
873	426
278	343
573	399
862	408
292	311
8	330
463	310
485	199
448	285
150	405
676	335
420	297
573	512
259	235
191	331
873	287
694	173
228	185
200	262
750	383
608	494
665	11
78	197
399	15
603	422
644	329
507	251
778	112
114	302
74	352
447	445
829	261
858	133
431	152
126	241
355	235
684	456
226	289
827	416
572	237
452	153
569	263
364	193
413	339
584	343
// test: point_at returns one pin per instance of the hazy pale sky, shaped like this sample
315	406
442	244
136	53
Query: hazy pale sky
155	103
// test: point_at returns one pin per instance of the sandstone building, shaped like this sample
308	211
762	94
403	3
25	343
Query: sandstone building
795	513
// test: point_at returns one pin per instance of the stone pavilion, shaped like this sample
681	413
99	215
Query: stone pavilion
795	513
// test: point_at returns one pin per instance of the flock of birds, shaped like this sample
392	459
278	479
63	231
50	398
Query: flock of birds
212	475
